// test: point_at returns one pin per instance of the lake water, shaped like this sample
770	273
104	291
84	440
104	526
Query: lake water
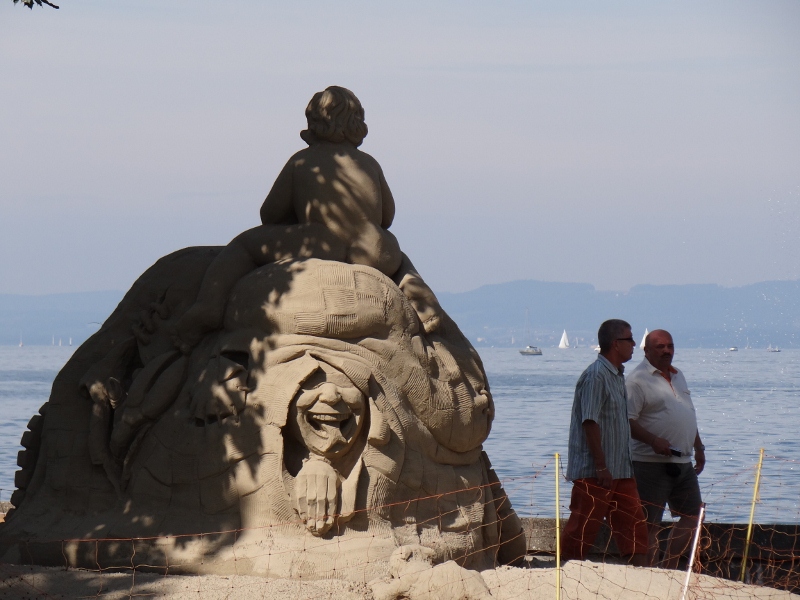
745	401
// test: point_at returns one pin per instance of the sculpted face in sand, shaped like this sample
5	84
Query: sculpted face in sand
327	416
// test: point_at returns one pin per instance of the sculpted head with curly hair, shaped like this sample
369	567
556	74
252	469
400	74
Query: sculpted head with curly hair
335	115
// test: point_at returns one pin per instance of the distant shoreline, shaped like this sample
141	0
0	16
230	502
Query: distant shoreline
698	316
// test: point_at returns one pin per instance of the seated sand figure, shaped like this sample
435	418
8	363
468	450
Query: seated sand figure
331	191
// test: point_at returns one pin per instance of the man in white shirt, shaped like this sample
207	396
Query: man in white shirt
664	433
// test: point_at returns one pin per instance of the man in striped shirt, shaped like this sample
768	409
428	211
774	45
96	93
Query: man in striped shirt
599	462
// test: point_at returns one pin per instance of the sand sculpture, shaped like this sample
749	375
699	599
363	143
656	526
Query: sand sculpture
296	404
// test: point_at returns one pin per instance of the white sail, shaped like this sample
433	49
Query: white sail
644	337
564	343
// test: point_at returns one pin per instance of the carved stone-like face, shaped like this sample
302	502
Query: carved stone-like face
327	414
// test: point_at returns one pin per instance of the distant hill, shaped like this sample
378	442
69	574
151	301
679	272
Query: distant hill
492	315
697	315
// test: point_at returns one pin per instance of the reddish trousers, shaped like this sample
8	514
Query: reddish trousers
590	504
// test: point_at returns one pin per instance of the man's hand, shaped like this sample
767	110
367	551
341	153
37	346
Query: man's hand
658	444
699	460
604	479
316	495
661	446
592	431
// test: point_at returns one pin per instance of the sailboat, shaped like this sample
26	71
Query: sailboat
529	350
644	337
564	343
20	342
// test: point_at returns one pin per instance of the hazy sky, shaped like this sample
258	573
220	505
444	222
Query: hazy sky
614	143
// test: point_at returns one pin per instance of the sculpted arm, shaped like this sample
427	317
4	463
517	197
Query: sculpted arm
387	203
278	207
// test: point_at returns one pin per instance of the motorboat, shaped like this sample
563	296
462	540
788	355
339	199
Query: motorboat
733	349
531	351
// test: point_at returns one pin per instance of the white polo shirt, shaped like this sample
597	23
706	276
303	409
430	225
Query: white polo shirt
664	408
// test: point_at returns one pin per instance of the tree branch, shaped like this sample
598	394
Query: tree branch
29	3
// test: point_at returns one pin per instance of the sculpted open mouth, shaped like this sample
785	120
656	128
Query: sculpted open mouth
323	417
328	429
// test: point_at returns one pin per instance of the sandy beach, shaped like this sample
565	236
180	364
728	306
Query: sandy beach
580	581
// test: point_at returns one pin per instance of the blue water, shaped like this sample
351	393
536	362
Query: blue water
745	401
26	376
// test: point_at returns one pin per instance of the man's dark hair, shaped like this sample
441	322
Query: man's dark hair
609	331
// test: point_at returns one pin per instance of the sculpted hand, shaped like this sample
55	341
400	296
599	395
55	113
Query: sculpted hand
316	495
661	446
699	461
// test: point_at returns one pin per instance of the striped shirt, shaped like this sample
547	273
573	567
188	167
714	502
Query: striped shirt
600	397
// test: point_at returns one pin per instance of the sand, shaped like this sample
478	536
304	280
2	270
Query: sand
580	581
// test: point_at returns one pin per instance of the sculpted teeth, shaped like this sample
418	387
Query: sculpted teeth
328	418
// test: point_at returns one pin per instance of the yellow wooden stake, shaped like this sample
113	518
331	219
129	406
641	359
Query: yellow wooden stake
752	514
558	538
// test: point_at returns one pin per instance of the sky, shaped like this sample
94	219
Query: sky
611	143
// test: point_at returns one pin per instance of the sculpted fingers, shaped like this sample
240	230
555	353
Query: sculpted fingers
313	503
331	501
322	503
301	496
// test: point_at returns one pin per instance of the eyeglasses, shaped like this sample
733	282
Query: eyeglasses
627	339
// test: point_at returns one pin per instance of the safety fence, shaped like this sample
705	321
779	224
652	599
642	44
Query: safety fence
750	559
